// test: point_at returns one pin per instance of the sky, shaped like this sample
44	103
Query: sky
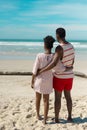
35	19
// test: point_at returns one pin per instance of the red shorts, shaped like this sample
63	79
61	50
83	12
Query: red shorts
62	84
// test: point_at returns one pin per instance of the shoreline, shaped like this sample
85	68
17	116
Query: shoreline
27	65
7	73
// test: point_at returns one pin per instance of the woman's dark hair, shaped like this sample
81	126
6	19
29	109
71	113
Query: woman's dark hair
61	32
49	40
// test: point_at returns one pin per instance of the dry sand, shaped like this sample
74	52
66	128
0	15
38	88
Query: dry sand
17	101
26	65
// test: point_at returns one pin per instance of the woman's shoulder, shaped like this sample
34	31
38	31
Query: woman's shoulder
43	55
39	55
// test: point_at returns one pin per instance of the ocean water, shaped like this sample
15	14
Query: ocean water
28	49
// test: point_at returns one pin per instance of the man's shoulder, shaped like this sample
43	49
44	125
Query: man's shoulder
71	45
68	45
58	48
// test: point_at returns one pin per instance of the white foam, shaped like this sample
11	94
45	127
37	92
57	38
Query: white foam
79	45
32	44
21	43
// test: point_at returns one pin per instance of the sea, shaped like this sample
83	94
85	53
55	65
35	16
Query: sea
11	49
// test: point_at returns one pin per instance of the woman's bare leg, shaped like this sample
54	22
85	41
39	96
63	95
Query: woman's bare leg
38	99
46	106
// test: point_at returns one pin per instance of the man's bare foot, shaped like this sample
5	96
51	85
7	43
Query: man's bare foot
57	120
70	119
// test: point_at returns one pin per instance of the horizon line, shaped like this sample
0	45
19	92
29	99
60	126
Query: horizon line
14	39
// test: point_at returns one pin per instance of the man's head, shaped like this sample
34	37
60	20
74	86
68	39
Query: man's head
48	42
60	34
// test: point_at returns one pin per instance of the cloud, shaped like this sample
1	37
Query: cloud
41	30
69	10
39	13
69	27
15	32
8	6
38	18
74	9
16	28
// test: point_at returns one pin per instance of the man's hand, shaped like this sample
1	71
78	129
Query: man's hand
38	72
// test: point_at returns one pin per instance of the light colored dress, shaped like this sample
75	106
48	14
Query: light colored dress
44	82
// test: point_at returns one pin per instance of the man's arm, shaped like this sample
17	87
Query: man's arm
58	55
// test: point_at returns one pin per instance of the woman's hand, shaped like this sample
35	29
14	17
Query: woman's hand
32	85
69	68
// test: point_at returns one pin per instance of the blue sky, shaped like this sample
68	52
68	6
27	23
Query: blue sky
34	19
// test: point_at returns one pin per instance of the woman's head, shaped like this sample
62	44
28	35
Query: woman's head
48	42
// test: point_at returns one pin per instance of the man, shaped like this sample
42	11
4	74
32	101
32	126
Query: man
62	81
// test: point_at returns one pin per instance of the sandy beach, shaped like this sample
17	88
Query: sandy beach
17	100
43	31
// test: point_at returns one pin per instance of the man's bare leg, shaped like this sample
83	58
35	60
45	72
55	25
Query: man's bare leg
69	104
57	105
38	99
46	106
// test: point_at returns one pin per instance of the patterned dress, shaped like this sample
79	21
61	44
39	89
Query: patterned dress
44	82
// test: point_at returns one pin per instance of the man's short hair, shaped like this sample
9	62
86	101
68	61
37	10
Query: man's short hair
61	32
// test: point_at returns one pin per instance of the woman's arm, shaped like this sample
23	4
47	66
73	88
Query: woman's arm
69	68
32	81
35	69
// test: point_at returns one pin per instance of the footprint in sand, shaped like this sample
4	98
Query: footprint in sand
28	115
2	127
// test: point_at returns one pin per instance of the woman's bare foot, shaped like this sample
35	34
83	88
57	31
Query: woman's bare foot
39	117
44	122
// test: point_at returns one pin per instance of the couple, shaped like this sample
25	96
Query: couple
55	71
